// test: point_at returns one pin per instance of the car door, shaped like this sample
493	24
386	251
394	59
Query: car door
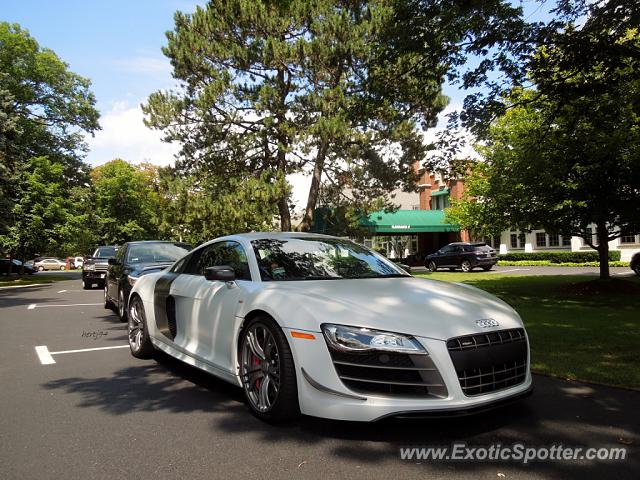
205	309
114	272
442	259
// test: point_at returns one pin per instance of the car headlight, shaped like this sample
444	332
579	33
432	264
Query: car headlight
132	280
90	266
356	339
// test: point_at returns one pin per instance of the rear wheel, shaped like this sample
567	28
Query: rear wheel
432	266
122	307
465	265
267	371
139	341
636	268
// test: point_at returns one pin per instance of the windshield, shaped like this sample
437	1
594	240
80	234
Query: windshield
105	252
319	259
155	253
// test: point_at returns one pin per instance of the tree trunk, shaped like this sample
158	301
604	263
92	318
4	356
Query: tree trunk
603	250
285	215
314	189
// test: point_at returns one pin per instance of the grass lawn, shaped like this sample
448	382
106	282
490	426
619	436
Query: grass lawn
579	328
35	279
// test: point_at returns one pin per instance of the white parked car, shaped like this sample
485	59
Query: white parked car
323	326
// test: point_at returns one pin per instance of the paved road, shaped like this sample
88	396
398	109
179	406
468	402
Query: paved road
615	271
103	414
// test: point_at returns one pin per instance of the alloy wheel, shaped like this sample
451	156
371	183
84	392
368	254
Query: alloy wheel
432	266
260	367
465	266
136	327
121	303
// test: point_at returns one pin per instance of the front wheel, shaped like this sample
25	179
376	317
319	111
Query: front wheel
62	268
139	341
267	371
432	266
40	269
85	285
636	268
122	307
466	266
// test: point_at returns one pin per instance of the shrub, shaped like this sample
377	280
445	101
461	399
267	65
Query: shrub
559	257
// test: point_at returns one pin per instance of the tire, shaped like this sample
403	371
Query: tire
465	265
636	268
122	307
41	268
432	267
62	268
85	285
487	268
108	304
138	333
264	355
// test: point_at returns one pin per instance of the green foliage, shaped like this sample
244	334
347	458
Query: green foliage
126	203
559	257
45	109
40	209
271	88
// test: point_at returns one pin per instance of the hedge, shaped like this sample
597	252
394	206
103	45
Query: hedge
547	263
559	257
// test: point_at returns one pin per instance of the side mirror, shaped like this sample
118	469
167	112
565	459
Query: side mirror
223	273
113	261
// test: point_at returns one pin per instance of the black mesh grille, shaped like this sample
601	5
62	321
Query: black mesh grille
394	374
489	362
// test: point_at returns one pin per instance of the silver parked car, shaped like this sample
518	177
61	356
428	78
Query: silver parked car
50	264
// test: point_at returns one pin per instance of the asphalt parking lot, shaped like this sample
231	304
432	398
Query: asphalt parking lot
99	413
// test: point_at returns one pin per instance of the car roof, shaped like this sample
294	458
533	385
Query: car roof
264	235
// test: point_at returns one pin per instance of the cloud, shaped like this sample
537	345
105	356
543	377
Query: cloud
124	135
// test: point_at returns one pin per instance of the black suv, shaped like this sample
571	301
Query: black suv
94	268
635	263
133	260
463	255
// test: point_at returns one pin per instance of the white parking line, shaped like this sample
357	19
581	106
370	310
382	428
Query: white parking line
35	305
46	357
511	270
61	291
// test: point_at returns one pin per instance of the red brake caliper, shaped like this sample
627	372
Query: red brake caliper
256	363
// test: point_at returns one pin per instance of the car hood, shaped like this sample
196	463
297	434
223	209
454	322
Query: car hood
146	268
410	305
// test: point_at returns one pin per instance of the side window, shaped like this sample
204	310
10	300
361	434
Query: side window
446	249
222	253
180	265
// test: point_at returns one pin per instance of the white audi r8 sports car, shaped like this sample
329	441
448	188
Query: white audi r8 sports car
322	326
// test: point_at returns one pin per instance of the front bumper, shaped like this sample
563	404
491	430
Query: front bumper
335	401
95	276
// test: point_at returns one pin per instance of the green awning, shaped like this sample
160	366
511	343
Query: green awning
437	193
408	222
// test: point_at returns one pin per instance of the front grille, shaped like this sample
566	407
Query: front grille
488	362
101	267
393	374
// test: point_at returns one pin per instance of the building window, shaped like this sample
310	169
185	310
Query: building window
628	238
415	207
517	239
592	236
554	240
541	239
566	241
514	240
